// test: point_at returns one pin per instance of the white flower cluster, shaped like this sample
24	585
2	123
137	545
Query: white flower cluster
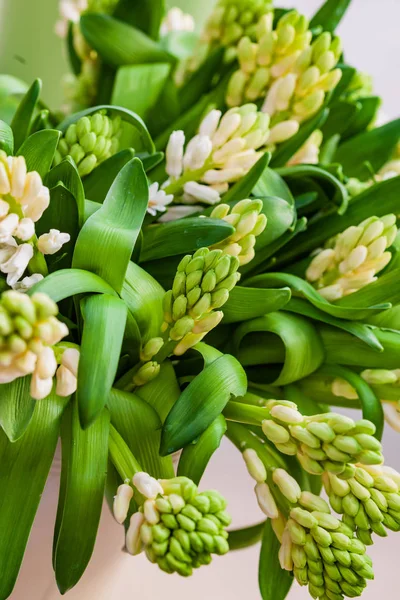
176	20
23	200
224	150
352	259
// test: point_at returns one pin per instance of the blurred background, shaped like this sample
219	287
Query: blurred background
29	48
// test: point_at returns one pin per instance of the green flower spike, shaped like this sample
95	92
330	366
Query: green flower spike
90	141
320	549
326	442
248	221
201	285
351	260
178	527
369	501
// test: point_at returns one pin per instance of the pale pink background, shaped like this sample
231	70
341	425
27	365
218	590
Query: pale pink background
372	43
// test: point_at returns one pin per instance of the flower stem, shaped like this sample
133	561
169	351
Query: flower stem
121	456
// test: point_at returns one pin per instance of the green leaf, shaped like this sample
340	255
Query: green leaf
143	297
301	287
201	402
274	582
340	119
16	407
286	150
70	282
118	43
62	214
22	119
39	149
303	351
371	405
67	173
329	183
200	81
342	348
195	457
126	115
374	147
6	138
363	332
248	536
182	237
247	303
385	289
84	469
368	109
146	15
103	332
24	467
180	44
99	181
138	87
106	241
140	427
245	186
272	184
162	392
74	60
330	14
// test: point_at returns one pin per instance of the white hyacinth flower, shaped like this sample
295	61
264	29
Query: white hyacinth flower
52	242
309	151
176	20
27	282
67	373
16	265
70	11
158	199
147	485
352	259
224	150
122	502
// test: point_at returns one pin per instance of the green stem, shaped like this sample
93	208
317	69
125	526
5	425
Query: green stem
37	264
121	456
245	413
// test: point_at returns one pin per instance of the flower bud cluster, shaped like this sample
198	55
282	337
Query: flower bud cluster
249	222
178	527
369	501
325	442
309	151
28	330
176	20
224	150
201	286
67	372
320	549
90	141
23	200
288	69
352	259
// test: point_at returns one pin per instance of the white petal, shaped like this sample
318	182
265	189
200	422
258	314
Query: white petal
40	388
70	359
201	192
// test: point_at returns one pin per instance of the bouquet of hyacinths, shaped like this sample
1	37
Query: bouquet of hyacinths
208	247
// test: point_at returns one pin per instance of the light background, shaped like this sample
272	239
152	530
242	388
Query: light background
371	40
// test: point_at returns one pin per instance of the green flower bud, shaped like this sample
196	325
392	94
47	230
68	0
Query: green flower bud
303	517
151	348
297	532
322	537
274	432
146	373
322	431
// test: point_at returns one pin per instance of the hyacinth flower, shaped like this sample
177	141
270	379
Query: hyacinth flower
177	527
224	150
352	259
28	331
249	222
325	442
309	151
90	141
176	20
23	200
369	501
287	70
321	550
